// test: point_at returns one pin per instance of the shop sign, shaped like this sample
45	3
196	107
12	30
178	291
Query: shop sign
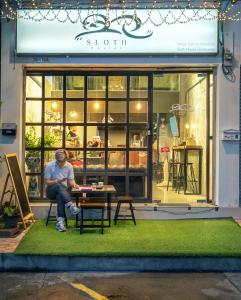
96	35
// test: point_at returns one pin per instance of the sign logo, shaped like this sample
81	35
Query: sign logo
95	24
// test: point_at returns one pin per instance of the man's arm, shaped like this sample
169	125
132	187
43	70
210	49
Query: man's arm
50	182
71	180
72	183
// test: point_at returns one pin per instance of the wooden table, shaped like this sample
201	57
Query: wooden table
107	190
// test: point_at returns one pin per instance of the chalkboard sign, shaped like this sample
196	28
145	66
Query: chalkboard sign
19	187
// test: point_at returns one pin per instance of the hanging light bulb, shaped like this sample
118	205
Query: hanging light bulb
54	105
138	106
97	105
73	114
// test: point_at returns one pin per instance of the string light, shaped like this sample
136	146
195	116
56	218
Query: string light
189	10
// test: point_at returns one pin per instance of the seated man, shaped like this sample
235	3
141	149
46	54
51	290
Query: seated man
58	174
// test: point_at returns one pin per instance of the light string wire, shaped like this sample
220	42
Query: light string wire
156	12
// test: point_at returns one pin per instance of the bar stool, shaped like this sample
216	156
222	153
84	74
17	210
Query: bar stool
91	206
54	217
124	200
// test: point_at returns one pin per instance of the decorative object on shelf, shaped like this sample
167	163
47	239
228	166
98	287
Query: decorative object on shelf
181	109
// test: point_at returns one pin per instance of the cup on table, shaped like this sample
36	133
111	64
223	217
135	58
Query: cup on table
93	185
100	183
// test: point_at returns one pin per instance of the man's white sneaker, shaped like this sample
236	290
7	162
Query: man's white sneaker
60	224
74	209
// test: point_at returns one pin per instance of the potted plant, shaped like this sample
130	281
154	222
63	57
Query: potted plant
10	215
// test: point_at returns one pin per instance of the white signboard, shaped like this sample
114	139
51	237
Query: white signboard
95	35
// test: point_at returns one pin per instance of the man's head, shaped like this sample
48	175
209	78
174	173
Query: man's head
61	156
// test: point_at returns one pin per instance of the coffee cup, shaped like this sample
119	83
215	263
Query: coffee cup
100	183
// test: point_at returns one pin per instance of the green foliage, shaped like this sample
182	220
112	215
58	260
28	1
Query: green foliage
31	139
10	210
49	140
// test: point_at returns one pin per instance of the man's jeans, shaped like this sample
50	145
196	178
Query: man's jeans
59	193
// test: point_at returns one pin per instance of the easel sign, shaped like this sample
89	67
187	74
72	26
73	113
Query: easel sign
19	189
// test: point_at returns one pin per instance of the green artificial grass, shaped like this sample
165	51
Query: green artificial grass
212	237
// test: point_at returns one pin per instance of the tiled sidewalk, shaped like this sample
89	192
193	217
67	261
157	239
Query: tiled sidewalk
8	245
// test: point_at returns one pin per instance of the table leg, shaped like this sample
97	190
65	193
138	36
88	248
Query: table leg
77	216
109	208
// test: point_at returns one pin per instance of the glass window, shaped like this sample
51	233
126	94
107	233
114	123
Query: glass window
95	137
33	111
96	86
96	111
138	137
138	186
117	137
74	136
48	157
138	112
117	86
33	161
166	82
117	160
53	111
33	136
53	86
33	86
53	136
95	160
119	183
75	86
94	179
76	159
137	161
74	111
138	86
117	111
33	184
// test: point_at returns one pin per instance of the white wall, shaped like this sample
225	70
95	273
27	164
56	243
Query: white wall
227	104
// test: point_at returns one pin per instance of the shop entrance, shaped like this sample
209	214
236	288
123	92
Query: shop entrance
182	138
146	133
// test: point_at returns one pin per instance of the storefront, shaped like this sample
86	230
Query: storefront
148	123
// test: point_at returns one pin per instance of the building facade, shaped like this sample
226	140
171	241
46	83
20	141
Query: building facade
133	139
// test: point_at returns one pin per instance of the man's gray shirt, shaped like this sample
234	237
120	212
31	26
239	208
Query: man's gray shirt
53	171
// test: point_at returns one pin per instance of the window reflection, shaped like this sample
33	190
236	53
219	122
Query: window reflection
33	136
76	159
138	86
117	111
74	136
117	160
138	112
33	161
53	86
95	160
96	87
95	137
117	137
53	136
33	111
137	160
96	111
33	184
74	111
34	87
53	111
75	86
138	137
117	86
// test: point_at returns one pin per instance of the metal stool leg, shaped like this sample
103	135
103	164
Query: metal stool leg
132	212
50	207
117	212
81	220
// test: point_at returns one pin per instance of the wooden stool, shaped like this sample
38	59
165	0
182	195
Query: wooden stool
53	217
91	205
120	200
